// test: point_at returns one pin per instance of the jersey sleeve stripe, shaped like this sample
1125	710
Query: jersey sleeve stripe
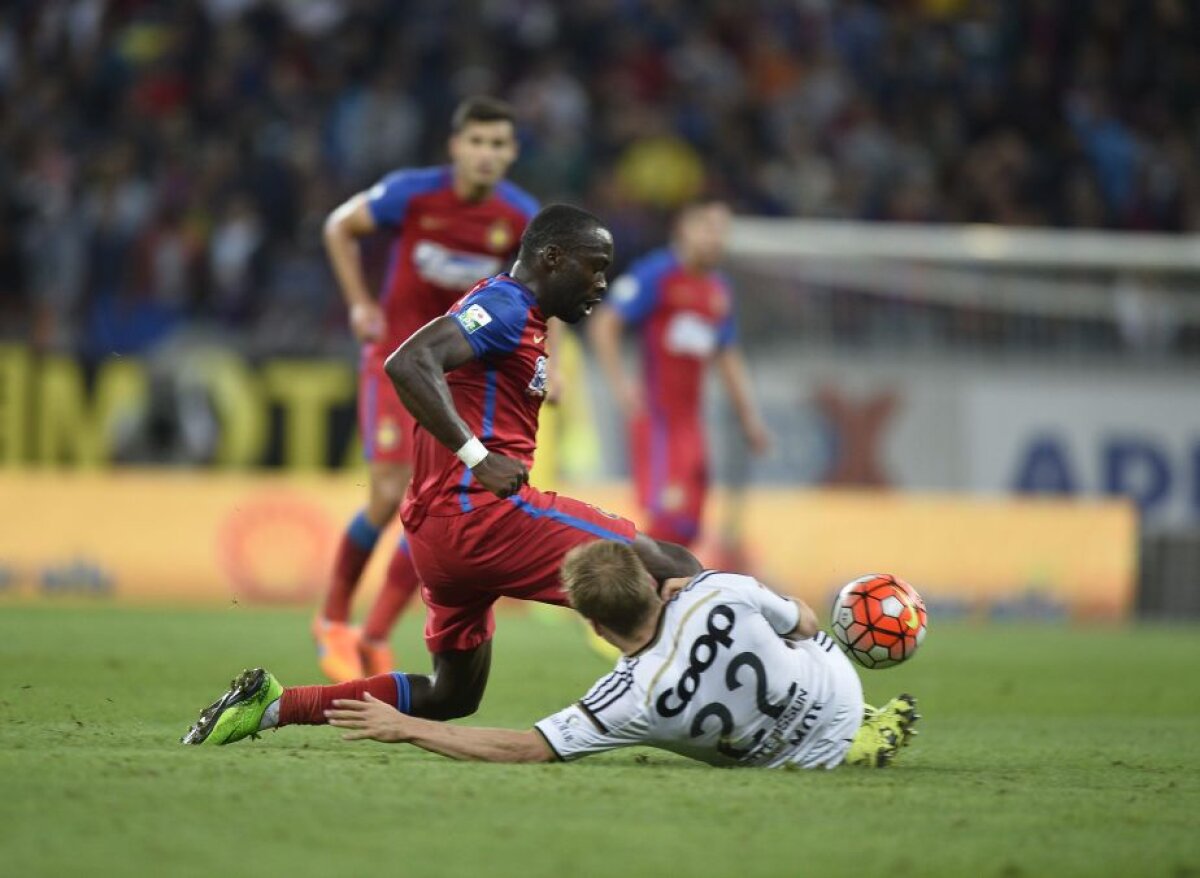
603	686
587	711
611	697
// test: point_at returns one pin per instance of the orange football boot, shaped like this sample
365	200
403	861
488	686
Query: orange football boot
337	650
377	657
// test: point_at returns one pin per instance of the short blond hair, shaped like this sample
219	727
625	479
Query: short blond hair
607	584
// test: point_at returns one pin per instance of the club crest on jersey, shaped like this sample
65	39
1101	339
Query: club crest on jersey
537	386
474	317
387	436
672	497
499	236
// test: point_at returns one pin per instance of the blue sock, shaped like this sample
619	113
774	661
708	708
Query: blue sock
362	533
403	692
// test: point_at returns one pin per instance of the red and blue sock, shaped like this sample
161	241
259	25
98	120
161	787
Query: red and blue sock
398	588
353	554
306	705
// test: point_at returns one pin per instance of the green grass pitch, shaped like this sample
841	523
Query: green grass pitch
1044	751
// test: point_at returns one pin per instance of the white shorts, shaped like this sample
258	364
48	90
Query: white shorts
827	743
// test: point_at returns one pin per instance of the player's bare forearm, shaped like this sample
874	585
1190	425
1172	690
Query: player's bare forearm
481	745
736	377
808	625
605	333
665	560
344	226
374	720
417	370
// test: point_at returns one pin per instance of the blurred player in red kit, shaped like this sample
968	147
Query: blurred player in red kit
683	311
452	226
474	380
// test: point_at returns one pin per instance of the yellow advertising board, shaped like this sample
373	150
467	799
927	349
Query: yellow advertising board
139	536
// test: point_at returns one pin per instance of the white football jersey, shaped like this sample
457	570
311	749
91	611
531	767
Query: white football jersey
720	684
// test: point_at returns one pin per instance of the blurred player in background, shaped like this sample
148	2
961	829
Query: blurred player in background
478	531
452	226
683	311
715	667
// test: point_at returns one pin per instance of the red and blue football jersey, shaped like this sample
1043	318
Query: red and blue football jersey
498	394
443	245
683	318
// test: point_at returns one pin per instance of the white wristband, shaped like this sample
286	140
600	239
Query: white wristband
472	452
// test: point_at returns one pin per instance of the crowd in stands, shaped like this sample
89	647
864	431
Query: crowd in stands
169	164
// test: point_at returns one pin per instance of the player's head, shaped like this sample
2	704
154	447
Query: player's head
567	251
701	231
608	586
483	141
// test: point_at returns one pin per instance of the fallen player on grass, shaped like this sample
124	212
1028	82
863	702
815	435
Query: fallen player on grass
716	667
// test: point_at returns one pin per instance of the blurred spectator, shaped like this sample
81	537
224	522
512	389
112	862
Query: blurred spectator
163	163
235	254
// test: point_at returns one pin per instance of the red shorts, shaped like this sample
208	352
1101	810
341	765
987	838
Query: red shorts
670	472
384	423
510	548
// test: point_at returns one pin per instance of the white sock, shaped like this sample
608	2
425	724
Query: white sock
270	717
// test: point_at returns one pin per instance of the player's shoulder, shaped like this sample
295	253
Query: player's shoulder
636	291
721	581
413	181
501	295
505	287
613	699
516	197
654	265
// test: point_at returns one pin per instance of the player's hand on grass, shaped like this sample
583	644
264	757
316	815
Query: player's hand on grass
371	719
367	322
500	474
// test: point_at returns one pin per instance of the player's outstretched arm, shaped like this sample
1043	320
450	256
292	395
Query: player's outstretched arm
807	626
347	223
604	329
417	370
736	377
375	720
780	611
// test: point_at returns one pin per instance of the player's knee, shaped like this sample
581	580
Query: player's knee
454	705
387	491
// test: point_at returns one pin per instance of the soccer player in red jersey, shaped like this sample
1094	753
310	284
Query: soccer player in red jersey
452	226
682	308
474	379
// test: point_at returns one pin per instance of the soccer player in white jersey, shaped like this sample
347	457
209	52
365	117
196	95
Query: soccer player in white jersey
717	667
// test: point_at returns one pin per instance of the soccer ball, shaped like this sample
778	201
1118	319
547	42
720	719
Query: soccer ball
879	620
